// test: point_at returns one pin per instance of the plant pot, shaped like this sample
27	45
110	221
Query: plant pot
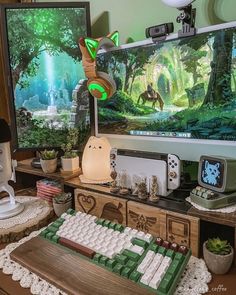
218	264
49	166
62	207
70	164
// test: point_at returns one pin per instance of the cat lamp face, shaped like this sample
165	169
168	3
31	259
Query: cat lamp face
100	84
96	161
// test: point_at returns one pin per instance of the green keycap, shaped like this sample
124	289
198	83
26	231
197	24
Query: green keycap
57	224
162	251
135	275
49	235
119	227
55	238
140	243
154	247
170	253
97	257
112	225
126	272
44	233
106	223
111	263
131	255
60	220
70	211
103	260
165	284
52	229
179	256
100	221
122	259
174	267
131	264
118	268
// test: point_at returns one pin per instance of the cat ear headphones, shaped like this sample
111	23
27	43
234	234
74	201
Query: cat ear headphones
100	84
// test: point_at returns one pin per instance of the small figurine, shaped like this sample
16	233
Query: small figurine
142	189
123	182
114	187
135	181
154	190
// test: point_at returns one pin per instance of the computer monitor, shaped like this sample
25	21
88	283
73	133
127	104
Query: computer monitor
176	96
46	81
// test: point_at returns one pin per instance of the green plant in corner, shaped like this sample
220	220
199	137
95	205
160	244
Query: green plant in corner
48	154
218	246
71	142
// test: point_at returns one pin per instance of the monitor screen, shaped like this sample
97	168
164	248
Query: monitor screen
46	77
212	173
178	89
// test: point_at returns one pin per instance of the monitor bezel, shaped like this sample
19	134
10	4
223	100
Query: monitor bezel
156	138
7	68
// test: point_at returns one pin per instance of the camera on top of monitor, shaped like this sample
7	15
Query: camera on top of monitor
159	32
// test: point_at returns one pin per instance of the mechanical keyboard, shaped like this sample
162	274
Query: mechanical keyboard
151	262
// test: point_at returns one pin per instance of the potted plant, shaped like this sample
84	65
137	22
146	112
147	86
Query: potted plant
218	255
62	202
48	160
70	159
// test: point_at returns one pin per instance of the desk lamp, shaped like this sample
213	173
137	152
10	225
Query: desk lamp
187	16
8	208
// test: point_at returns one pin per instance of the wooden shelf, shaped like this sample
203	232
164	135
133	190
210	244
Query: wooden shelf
25	167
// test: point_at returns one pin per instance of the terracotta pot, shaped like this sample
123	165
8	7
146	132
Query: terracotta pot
70	164
62	207
218	264
49	166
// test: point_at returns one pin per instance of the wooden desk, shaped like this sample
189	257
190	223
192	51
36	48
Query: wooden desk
9	287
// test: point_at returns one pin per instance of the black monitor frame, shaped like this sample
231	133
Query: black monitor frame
7	67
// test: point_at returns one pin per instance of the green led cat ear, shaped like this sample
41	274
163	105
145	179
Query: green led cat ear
115	38
91	46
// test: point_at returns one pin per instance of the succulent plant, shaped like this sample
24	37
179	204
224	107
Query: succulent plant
48	154
71	142
62	198
218	246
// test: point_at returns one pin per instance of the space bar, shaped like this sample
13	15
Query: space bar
77	247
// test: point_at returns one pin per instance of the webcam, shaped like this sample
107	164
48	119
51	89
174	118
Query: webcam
159	32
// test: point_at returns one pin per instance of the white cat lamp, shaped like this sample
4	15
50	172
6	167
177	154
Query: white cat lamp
8	208
96	161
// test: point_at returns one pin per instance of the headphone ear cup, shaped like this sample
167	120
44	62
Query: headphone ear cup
101	86
106	77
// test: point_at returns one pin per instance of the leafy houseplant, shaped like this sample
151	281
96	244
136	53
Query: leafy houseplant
218	255
62	202
70	159
48	160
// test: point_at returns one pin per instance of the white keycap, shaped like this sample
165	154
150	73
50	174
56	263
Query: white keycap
155	282
137	249
148	238
146	278
140	235
146	261
127	230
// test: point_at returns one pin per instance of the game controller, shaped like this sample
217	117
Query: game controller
173	172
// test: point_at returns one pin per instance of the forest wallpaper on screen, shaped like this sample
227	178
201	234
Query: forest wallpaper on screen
50	93
193	87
